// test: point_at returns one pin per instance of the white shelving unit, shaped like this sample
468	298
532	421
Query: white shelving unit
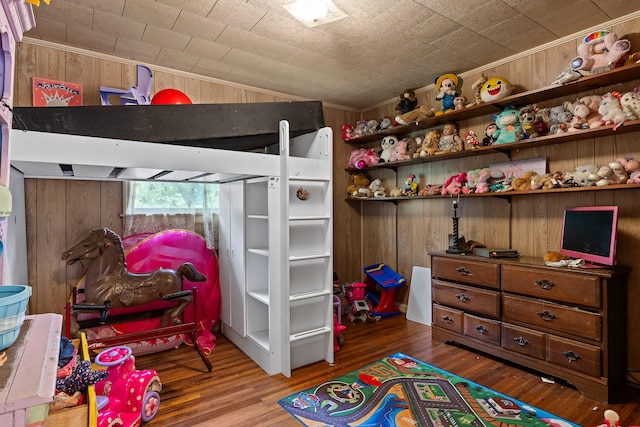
288	258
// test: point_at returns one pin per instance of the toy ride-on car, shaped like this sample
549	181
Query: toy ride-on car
127	396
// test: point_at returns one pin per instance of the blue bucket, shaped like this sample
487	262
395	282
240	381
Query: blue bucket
13	305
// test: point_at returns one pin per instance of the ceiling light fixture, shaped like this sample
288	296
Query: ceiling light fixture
313	12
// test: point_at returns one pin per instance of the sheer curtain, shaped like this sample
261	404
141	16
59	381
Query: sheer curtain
198	213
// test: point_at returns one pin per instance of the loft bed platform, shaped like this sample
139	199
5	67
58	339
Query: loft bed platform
199	142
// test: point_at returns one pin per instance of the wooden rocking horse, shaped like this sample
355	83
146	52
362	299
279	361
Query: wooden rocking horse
108	284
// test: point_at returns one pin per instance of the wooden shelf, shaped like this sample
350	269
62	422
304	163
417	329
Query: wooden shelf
596	81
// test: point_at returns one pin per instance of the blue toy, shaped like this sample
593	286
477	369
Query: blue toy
509	127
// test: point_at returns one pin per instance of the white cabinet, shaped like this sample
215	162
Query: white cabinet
288	258
231	256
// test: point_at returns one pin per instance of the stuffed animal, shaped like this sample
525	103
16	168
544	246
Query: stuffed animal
583	116
359	188
630	164
630	102
377	189
387	144
456	184
495	88
459	103
395	192
478	180
527	119
400	151
583	175
543	182
472	140
384	123
489	135
554	256
358	131
477	87
610	174
509	129
415	116
347	132
361	158
410	186
413	144
542	122
370	127
634	178
611	110
408	102
600	51
524	182
450	141
448	86
566	76
560	117
429	146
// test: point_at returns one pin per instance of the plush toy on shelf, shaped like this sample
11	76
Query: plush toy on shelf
524	182
560	118
359	189
415	116
429	146
387	144
600	51
408	102
384	123
584	115
400	151
361	158
630	102
611	110
456	184
448	86
450	141
489	135
527	118
509	129
377	188
358	130
495	88
347	132
477	87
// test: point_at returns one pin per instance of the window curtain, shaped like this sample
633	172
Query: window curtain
202	221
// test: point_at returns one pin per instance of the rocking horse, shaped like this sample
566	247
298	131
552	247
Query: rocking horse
108	284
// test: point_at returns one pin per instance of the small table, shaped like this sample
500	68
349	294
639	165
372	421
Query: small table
28	377
389	281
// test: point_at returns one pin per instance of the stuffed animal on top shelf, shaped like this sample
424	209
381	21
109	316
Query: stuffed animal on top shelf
477	87
495	88
347	132
415	116
448	86
600	51
408	102
509	129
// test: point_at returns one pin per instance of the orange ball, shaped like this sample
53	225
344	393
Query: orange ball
170	96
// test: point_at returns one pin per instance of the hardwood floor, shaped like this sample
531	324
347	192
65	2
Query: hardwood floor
238	393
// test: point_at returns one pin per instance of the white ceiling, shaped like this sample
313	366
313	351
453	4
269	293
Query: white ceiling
380	49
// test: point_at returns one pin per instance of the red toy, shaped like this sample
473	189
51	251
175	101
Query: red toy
389	281
126	395
170	96
338	327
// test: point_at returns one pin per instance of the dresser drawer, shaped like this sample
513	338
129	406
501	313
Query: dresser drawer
467	298
524	341
467	271
565	287
486	330
448	318
574	355
551	317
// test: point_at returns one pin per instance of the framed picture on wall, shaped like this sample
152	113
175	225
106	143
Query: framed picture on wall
53	93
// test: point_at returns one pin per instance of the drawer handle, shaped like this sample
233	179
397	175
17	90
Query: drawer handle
447	319
481	329
462	297
521	341
545	284
546	316
571	356
463	271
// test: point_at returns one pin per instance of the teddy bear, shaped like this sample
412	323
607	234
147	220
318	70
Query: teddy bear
495	88
377	188
600	51
630	102
450	141
429	146
509	129
524	182
456	184
408	101
361	158
415	116
559	117
611	110
387	144
448	86
400	151
359	189
459	103
347	132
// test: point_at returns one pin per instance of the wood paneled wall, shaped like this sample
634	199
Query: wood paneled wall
364	233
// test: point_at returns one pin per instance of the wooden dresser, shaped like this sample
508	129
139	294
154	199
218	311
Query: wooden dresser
566	323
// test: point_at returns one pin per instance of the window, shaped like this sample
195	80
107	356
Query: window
162	197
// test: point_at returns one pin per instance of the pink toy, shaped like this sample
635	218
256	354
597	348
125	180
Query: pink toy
126	394
361	158
456	184
347	132
600	51
400	151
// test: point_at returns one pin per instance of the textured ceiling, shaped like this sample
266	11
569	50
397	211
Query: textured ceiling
381	48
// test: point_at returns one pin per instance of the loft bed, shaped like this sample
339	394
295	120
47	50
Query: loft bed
194	142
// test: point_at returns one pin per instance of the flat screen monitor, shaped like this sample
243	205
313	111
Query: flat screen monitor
590	233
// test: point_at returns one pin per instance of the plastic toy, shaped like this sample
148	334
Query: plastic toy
360	309
338	327
389	281
126	394
170	96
